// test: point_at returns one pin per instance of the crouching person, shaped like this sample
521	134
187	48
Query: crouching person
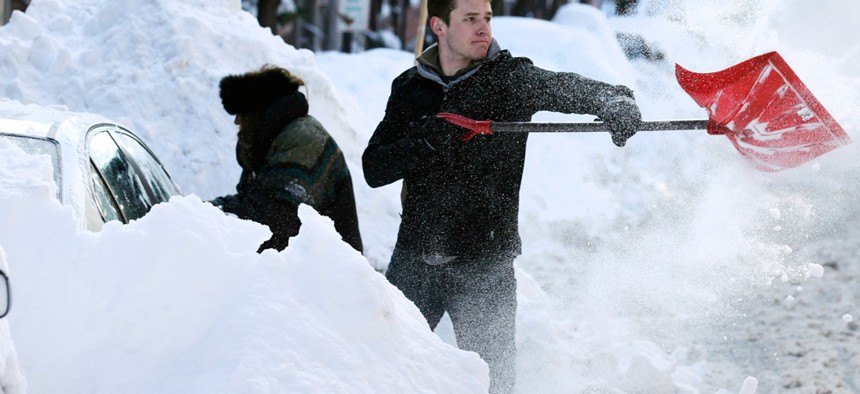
287	158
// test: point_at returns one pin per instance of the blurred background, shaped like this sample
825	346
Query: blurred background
357	25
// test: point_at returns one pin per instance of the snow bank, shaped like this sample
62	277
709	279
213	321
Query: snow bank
179	301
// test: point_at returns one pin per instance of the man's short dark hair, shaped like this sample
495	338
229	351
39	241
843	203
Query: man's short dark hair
441	9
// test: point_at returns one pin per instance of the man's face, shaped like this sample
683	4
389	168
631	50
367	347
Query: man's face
468	34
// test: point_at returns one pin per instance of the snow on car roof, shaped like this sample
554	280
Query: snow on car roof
42	121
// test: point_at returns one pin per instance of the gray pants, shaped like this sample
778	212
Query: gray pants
480	296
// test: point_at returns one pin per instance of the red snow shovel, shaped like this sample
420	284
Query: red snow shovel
760	105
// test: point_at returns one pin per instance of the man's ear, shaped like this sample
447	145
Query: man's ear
437	25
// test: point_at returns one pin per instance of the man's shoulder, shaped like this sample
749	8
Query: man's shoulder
413	80
406	75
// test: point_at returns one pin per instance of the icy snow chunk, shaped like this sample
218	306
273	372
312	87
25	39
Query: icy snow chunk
847	318
775	213
749	386
816	270
22	26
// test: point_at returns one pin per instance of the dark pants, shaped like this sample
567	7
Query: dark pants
480	296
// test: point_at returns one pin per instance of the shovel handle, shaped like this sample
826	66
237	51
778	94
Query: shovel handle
478	127
580	127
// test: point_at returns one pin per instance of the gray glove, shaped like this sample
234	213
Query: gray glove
621	115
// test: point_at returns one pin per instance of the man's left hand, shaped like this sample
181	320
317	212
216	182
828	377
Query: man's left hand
622	116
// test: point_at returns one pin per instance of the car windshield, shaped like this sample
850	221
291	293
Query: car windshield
37	146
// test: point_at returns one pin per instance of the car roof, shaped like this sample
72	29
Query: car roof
44	121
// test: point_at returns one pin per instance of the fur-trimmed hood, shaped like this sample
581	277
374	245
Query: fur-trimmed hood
256	90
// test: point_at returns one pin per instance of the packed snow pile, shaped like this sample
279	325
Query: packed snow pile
179	301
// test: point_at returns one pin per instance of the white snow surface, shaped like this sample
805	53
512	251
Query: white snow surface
668	266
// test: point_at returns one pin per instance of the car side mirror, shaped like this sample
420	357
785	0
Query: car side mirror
5	295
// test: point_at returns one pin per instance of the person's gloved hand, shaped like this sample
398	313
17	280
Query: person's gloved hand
621	115
437	143
222	201
228	203
436	138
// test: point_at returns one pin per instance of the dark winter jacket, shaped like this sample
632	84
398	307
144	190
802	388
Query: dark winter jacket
293	160
462	198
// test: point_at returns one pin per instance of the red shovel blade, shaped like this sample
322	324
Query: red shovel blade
766	111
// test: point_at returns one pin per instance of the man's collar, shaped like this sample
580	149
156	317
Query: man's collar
428	62
430	58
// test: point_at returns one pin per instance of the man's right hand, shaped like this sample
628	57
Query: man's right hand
436	143
437	137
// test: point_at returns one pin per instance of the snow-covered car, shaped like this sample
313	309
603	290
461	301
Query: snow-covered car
102	170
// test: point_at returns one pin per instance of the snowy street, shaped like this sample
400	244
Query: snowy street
799	338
